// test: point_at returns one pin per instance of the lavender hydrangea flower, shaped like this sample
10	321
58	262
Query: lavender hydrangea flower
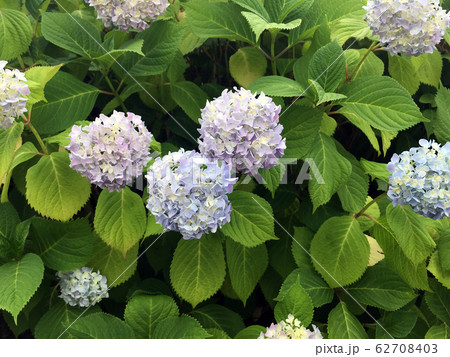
188	193
13	89
82	287
410	27
129	14
421	178
111	151
291	328
242	129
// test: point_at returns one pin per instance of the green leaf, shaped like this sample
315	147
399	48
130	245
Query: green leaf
272	177
246	266
37	79
404	72
254	6
372	65
19	280
439	301
9	140
9	219
250	332
69	101
380	102
429	68
342	324
300	246
54	190
218	20
120	219
414	274
398	324
347	254
277	86
183	327
100	325
33	6
198	269
131	46
301	128
438	332
444	249
72	33
410	232
375	169
251	219
296	301
190	98
153	228
346	28
63	246
15	34
247	65
26	152
217	316
55	321
327	66
381	287
143	312
112	264
259	25
334	170
280	9
435	268
441	122
323	97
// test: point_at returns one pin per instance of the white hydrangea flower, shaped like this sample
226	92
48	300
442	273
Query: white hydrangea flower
291	328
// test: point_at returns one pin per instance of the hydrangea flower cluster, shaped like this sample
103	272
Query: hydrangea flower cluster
111	151
82	287
421	178
129	14
291	328
243	130
13	89
410	27
188	193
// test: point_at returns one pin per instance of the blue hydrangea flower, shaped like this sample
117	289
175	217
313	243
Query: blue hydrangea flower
129	14
111	151
82	287
13	89
291	328
188	193
410	27
421	178
242	130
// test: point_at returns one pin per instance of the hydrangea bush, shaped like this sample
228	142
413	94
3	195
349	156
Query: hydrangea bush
239	169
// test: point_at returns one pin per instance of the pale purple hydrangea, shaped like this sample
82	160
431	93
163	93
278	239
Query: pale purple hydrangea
421	178
409	27
242	129
13	89
111	151
291	328
82	287
188	193
129	14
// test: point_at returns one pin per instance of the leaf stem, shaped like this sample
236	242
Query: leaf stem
22	64
36	134
115	92
264	53
4	197
365	208
272	53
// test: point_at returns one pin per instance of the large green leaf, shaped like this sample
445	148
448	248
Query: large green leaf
300	246
247	65
254	6
334	169
15	33
143	312
72	33
403	71
217	316
347	251
54	190
380	102
381	287
68	100
198	269
100	325
120	219
190	97
245	266
250	333
438	332
259	25
9	219
19	280
251	219
441	122
63	246
410	232
398	324
327	66
37	79
429	67
9	140
342	324
439	301
183	327
218	20
277	86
